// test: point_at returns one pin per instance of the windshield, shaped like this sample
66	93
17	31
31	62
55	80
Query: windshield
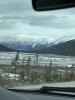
36	48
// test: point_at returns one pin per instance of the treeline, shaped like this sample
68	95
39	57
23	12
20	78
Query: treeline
27	77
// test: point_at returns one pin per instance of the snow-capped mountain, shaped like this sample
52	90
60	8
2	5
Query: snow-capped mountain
65	38
26	44
66	48
63	46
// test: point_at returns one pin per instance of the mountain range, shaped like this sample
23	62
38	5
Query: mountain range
25	45
60	47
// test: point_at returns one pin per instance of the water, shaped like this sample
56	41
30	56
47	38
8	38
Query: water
43	59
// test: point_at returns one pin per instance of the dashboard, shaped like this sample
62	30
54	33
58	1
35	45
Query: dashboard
7	95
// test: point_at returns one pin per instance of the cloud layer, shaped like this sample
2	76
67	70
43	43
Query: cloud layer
17	18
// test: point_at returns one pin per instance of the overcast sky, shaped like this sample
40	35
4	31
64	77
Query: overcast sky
17	18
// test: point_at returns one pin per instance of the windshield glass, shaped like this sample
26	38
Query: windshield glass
36	47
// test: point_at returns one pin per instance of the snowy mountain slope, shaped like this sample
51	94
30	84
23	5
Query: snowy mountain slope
62	46
66	48
27	44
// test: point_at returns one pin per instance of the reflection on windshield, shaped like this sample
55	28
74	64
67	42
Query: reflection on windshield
35	47
20	69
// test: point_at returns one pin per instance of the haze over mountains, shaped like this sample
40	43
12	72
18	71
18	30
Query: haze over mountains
64	46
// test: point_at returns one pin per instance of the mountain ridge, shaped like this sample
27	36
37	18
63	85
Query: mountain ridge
66	48
61	47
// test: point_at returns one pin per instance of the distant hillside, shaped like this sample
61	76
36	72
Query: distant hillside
4	48
63	48
25	46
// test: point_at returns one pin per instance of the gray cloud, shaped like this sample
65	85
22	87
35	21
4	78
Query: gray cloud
50	21
8	7
18	15
6	25
57	20
19	10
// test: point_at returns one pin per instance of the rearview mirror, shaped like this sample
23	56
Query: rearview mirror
42	5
